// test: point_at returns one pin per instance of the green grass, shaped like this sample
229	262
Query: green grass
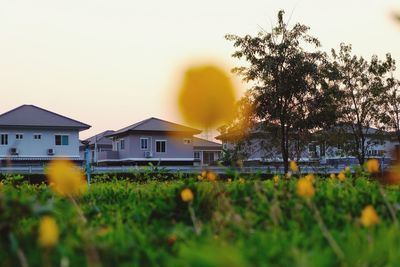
255	223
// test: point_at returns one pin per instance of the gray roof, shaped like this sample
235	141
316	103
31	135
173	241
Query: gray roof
156	125
199	142
33	116
101	138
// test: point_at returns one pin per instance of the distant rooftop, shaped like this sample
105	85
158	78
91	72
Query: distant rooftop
156	125
33	116
199	142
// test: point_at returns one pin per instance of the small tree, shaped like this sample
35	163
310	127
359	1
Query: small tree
363	89
292	87
391	116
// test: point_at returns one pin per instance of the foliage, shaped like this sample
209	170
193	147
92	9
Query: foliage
239	222
292	86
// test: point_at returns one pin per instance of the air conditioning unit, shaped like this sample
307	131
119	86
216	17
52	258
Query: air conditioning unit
13	151
148	154
50	151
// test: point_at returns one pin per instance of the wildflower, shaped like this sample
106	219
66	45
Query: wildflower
200	177
347	169
65	178
341	176
207	96
373	165
171	239
229	180
288	175
333	176
204	174
310	177
211	176
369	217
392	176
48	232
293	166
305	188
241	180
276	179
187	195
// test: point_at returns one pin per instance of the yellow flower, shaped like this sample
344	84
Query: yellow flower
288	175
293	166
305	188
207	96
341	176
369	216
65	178
187	195
276	179
333	176
347	169
204	174
211	176
310	177
200	177
241	180
373	165
48	232
229	180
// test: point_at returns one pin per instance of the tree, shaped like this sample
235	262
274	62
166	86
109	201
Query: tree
391	116
293	87
363	89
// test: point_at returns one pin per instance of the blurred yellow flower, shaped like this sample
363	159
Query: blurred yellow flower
310	177
200	177
305	188
187	195
211	176
241	180
341	176
347	169
333	176
229	180
65	178
207	96
373	165
276	179
288	175
204	174
369	216
293	166
48	232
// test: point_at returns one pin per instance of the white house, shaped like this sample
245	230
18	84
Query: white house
30	135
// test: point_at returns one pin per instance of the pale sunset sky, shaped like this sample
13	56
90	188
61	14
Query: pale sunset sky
112	63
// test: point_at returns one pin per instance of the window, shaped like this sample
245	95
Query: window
187	141
4	139
161	146
37	136
61	140
144	143
197	155
122	144
19	136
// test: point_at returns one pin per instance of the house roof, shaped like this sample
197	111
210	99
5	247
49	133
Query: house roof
155	125
101	138
33	116
199	142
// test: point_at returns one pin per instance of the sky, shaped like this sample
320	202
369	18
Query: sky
113	63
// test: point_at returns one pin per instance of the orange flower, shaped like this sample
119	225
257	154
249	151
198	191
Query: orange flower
65	178
48	232
211	176
310	177
373	165
293	166
369	217
305	188
187	195
341	176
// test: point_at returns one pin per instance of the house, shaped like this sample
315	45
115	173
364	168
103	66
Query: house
206	152
30	135
259	145
98	143
152	140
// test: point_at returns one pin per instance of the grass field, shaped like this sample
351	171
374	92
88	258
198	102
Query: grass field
238	222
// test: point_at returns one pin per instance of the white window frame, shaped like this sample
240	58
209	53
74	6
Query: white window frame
7	139
147	143
37	134
160	140
17	135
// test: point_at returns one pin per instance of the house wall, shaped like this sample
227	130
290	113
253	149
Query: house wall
30	147
175	148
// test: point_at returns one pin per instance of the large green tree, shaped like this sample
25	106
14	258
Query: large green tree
363	86
291	81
